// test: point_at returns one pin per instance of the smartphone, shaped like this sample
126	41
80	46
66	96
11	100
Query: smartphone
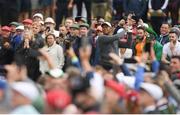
47	29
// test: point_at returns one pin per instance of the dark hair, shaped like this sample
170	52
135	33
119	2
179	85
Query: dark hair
176	57
141	27
174	31
50	34
166	23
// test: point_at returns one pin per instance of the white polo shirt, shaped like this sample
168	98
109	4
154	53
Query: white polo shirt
167	51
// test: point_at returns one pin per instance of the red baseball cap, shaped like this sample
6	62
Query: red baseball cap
118	87
6	28
28	21
58	99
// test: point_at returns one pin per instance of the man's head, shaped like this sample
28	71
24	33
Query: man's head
175	64
83	29
17	70
49	22
50	39
164	30
74	30
27	23
173	36
106	28
37	17
141	32
5	31
69	22
63	30
21	96
13	26
20	30
36	27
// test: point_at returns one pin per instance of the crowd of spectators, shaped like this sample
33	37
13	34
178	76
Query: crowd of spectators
57	64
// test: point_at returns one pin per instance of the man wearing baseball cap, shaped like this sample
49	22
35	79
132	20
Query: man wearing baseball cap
22	98
18	37
5	37
27	24
38	17
50	26
108	43
13	26
149	94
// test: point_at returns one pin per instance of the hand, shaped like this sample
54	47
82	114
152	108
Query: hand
70	52
26	43
85	53
159	11
151	10
44	54
153	42
164	76
116	59
7	45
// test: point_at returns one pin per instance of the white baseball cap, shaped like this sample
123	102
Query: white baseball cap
26	89
21	27
38	15
106	23
49	20
154	90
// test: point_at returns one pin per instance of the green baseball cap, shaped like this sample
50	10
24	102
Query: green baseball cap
84	25
76	26
14	23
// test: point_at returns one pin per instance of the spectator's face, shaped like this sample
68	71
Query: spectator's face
173	37
99	30
164	29
19	32
74	32
141	33
63	30
5	34
68	23
106	29
27	26
36	27
175	65
129	20
13	28
50	40
37	19
51	25
83	31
